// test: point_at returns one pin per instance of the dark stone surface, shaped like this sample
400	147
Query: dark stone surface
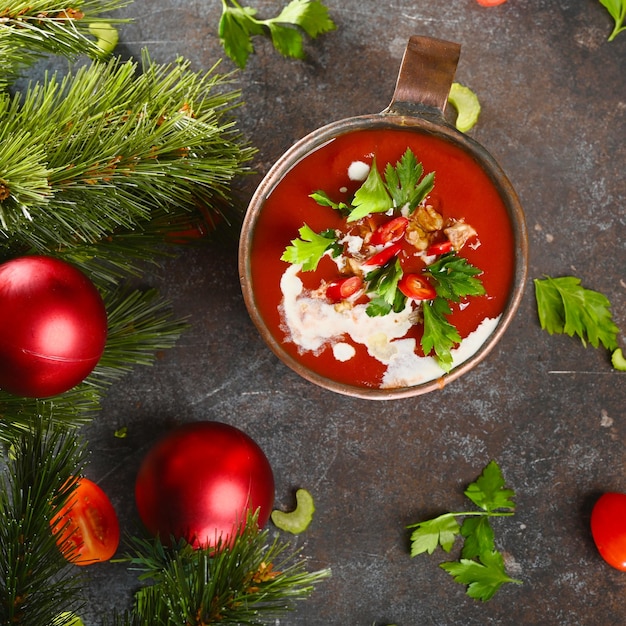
551	412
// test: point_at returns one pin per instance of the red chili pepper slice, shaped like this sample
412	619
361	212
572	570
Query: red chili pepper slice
490	3
441	247
416	287
384	255
389	231
341	289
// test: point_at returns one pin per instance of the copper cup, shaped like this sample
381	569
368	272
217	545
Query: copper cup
418	104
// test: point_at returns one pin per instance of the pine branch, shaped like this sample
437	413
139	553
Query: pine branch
252	582
107	149
29	30
36	582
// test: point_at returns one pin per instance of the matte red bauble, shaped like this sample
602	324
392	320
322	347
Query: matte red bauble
200	482
53	326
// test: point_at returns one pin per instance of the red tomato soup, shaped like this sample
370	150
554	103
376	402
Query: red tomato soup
462	191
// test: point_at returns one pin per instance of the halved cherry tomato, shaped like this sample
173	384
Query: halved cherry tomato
344	288
416	287
441	247
389	231
86	529
385	255
608	528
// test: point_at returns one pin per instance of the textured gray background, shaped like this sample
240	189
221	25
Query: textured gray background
551	412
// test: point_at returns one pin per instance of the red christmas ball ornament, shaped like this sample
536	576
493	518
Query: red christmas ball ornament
201	481
53	326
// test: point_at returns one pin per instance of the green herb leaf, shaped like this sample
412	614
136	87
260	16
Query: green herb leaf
564	306
483	578
309	249
481	566
371	197
455	277
323	199
310	15
287	40
403	181
439	335
236	28
239	24
401	187
488	491
383	281
440	531
617	10
479	537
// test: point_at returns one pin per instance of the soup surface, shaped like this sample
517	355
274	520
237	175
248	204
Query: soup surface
340	339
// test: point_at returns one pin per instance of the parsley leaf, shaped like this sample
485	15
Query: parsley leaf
236	28
488	490
481	566
384	282
564	306
371	197
401	187
323	199
440	531
617	10
239	24
483	577
403	181
455	277
479	537
439	335
309	249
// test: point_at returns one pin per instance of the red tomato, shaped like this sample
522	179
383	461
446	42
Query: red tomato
341	289
608	528
86	528
490	3
200	482
389	231
386	254
416	287
441	247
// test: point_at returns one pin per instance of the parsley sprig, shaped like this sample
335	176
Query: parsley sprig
239	24
383	283
617	10
481	565
454	278
402	185
566	307
309	248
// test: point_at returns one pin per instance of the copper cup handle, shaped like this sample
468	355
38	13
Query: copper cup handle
426	74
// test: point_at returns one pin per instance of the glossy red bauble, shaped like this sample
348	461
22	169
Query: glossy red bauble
53	326
201	481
